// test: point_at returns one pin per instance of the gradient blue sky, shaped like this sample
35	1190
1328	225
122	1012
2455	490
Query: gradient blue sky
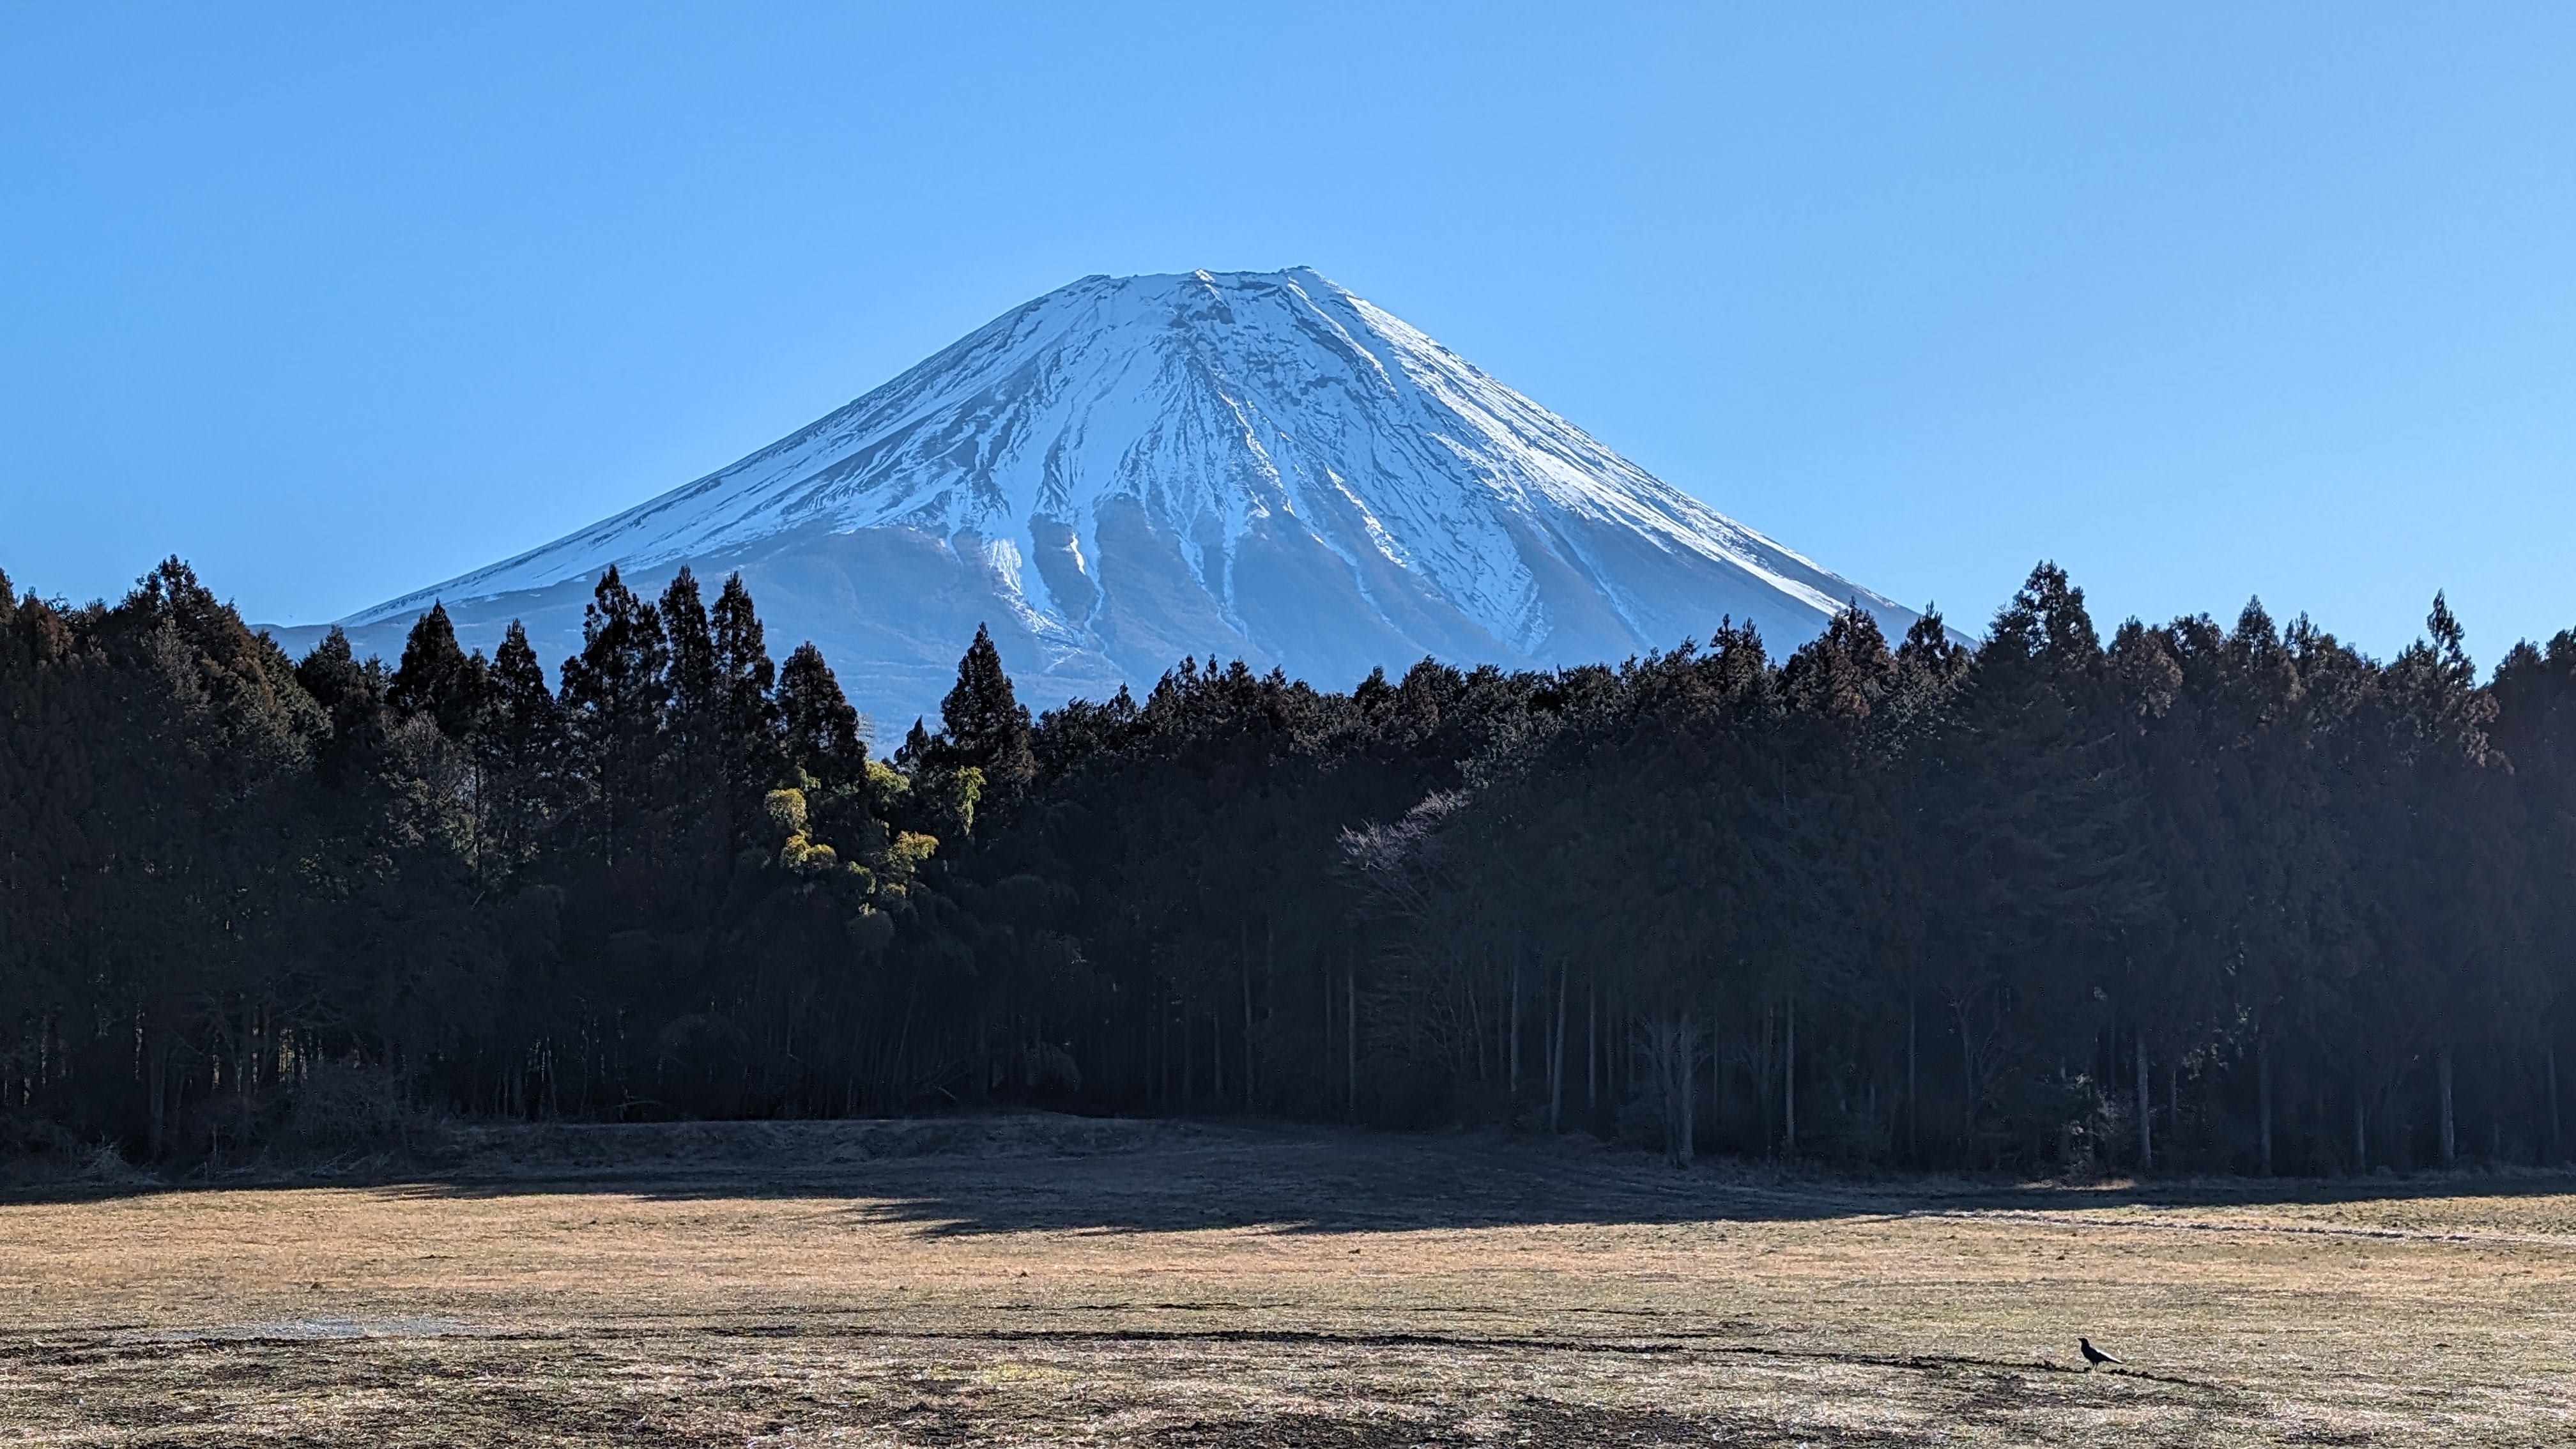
2201	301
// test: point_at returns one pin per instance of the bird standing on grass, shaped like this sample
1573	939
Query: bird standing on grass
2093	1355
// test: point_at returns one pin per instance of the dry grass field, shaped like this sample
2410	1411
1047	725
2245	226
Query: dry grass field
1025	1281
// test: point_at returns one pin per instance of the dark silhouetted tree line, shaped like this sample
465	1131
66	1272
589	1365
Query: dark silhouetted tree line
2198	898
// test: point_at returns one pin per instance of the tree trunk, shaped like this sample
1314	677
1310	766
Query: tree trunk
2450	1135
1690	1058
2173	1109
1968	1075
156	1075
1766	1082
1476	1026
1324	1056
2263	1096
1913	1147
1556	1057
1662	1053
1716	1076
1245	956
1591	1046
2555	1152
2360	1131
1512	1049
2146	1112
1351	1041
1789	1082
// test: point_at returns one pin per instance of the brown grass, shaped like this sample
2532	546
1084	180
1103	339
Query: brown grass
1041	1282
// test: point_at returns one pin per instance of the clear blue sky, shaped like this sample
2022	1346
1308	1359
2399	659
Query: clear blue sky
2201	301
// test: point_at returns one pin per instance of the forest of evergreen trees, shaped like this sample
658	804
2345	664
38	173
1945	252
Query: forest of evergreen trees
2203	898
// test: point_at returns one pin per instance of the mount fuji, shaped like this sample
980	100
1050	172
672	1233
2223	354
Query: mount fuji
1132	469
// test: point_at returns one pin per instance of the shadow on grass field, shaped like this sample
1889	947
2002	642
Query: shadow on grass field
1052	1280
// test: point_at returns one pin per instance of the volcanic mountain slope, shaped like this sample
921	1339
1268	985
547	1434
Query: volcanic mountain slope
1132	469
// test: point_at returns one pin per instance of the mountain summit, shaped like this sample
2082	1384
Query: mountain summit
1131	469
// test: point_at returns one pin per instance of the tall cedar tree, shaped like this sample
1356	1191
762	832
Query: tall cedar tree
615	693
521	746
438	678
749	739
821	727
984	725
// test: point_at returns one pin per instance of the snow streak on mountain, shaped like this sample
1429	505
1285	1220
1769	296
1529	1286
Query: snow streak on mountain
1128	470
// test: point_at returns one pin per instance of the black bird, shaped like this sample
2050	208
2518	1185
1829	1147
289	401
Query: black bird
2093	1355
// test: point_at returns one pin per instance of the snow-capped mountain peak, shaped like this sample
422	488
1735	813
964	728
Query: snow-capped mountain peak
1132	468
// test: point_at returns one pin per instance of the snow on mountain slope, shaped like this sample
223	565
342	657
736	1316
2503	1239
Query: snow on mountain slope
1130	469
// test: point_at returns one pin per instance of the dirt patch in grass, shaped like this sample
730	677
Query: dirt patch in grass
1036	1282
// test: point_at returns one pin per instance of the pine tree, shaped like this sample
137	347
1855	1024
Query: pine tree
2447	860
352	694
186	766
696	779
983	723
754	759
694	684
1837	677
615	693
915	751
438	678
2024	811
330	672
521	747
821	728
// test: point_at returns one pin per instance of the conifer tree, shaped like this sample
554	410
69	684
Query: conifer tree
1838	676
2446	875
914	753
695	719
352	694
521	746
984	726
330	672
821	727
745	681
614	696
438	678
185	767
694	683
